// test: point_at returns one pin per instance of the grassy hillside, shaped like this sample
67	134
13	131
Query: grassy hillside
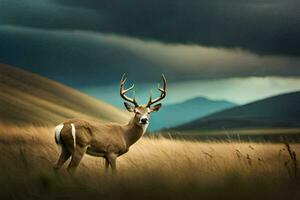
180	113
28	98
154	168
274	112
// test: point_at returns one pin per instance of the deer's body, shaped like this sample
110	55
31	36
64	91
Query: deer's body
108	140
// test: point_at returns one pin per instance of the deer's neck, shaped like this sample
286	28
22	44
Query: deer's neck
134	132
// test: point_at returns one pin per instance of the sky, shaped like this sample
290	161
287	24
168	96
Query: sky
236	90
238	50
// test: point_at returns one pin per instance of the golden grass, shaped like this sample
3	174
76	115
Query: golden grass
248	131
153	168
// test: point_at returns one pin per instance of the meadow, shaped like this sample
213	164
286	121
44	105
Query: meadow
154	168
274	135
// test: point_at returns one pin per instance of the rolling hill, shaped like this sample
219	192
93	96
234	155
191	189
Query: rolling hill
29	98
180	113
282	111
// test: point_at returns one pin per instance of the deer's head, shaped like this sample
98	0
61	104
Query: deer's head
142	112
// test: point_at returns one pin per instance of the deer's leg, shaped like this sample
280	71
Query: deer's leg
64	156
112	159
106	164
78	154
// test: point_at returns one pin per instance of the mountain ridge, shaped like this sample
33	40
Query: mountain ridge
180	113
276	111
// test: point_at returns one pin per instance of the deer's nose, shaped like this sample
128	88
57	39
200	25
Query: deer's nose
144	121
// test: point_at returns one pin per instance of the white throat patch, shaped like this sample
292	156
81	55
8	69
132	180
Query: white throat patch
144	127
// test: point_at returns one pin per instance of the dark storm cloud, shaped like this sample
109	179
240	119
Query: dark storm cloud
72	58
82	58
262	26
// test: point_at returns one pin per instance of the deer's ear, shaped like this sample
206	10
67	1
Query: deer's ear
129	107
155	107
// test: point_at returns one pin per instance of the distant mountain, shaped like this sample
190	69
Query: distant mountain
274	112
180	113
27	98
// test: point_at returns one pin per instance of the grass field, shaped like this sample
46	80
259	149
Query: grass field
275	135
154	168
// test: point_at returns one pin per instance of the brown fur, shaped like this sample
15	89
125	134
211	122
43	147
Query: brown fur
107	140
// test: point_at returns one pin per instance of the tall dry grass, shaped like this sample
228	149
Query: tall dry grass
157	168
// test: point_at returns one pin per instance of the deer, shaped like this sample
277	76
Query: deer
107	140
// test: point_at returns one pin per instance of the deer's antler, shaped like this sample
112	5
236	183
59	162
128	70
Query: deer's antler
123	91
162	90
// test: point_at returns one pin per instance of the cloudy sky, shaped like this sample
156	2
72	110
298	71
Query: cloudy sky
239	50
